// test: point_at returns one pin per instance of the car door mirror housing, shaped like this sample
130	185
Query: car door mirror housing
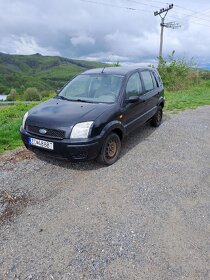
141	99
133	99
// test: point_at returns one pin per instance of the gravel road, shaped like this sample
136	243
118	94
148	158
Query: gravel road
145	217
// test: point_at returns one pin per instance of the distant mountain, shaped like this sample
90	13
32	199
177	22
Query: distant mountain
43	72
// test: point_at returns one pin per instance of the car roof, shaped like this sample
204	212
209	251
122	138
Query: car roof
121	70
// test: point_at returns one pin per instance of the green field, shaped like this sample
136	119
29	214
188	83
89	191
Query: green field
186	99
11	116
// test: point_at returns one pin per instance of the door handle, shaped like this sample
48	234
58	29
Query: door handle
142	100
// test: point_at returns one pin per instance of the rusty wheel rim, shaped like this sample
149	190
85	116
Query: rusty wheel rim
159	116
111	149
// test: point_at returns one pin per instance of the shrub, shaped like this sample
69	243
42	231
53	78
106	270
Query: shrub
178	73
32	94
12	95
45	93
116	64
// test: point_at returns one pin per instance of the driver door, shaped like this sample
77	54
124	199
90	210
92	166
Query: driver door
132	112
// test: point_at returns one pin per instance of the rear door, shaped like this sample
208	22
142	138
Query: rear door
151	93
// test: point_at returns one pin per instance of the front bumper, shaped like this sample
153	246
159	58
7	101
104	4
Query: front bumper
65	148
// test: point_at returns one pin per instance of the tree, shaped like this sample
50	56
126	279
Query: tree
32	94
12	95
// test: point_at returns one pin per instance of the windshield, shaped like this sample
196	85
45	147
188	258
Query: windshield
99	88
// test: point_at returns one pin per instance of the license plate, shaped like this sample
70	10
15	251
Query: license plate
40	143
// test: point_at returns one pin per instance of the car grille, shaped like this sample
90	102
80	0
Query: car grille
51	133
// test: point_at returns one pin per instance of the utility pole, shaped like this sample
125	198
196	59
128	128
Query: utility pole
173	25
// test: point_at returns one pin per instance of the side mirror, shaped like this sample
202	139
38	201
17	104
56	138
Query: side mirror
57	91
133	99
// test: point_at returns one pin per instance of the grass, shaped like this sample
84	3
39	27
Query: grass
10	121
11	116
188	99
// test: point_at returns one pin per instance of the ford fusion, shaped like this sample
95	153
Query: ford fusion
92	113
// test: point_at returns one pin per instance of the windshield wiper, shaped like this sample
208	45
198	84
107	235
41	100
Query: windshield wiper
77	100
62	97
82	100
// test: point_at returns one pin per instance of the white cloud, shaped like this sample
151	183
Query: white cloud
24	45
142	45
82	29
104	57
82	40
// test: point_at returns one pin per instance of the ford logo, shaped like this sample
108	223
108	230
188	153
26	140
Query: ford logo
42	131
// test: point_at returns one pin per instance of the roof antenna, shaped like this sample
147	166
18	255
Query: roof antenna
103	69
108	58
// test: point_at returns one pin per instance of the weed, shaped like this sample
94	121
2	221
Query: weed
178	74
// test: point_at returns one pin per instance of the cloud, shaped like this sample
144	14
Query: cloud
81	29
104	57
24	45
131	45
82	40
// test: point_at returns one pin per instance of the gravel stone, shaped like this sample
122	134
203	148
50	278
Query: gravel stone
145	217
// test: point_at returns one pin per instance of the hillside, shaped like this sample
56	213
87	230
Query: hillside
43	72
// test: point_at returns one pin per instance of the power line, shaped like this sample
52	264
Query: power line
113	5
195	22
192	16
165	3
192	19
189	20
140	10
141	3
193	11
175	5
187	15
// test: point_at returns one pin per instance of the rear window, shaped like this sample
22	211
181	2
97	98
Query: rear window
158	78
154	80
147	79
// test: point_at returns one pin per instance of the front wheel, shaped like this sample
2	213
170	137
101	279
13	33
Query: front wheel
110	149
157	118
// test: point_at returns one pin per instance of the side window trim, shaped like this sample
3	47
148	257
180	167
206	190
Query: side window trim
158	79
154	79
142	82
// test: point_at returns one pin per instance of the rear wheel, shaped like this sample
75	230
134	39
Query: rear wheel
110	149
157	118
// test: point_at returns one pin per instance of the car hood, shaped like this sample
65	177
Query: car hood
57	113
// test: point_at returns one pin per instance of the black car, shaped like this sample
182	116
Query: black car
93	112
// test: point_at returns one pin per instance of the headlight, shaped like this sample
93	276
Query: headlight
24	120
81	130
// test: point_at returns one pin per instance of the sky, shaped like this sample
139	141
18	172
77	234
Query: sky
124	31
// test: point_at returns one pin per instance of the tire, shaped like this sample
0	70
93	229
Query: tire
110	150
157	118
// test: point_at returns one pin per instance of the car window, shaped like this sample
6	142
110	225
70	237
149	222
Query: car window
147	79
157	76
155	82
99	88
98	82
79	86
134	86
